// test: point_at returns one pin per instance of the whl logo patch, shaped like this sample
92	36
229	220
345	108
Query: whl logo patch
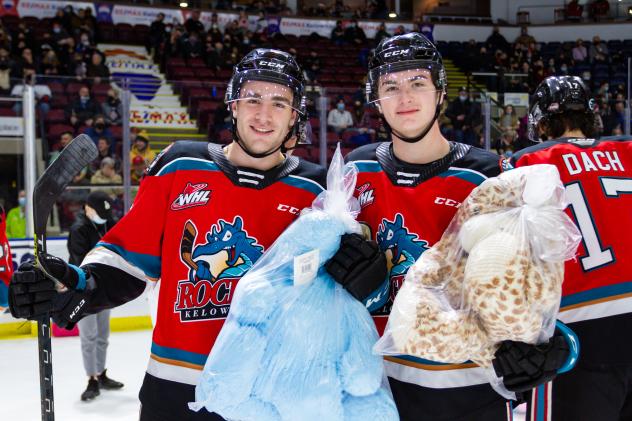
366	194
193	195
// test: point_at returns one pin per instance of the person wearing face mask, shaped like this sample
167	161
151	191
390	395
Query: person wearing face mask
112	108
460	114
83	109
354	34
338	118
94	330
16	219
100	129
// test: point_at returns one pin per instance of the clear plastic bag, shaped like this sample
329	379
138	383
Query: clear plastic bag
495	275
296	345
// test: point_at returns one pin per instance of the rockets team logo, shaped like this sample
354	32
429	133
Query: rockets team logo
215	267
402	249
193	195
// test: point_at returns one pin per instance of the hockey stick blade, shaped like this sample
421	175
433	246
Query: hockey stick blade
76	155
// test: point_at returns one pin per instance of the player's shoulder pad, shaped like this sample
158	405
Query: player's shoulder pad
178	149
312	171
363	153
482	161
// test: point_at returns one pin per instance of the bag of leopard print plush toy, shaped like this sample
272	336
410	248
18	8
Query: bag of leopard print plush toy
495	275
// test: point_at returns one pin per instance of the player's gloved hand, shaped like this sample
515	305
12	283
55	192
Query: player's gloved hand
203	271
523	366
33	293
358	265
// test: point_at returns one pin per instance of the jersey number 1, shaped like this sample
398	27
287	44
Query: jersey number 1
596	256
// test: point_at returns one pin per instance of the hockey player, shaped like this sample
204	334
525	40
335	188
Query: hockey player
596	293
409	190
203	215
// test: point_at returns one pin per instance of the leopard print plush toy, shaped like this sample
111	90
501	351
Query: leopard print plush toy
487	279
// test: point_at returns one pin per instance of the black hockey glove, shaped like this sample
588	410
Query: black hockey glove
358	265
523	366
33	294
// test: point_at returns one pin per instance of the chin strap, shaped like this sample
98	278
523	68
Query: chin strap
424	132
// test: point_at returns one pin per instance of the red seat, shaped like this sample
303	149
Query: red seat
55	116
55	131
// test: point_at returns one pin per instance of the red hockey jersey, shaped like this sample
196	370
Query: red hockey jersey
598	283
406	208
198	224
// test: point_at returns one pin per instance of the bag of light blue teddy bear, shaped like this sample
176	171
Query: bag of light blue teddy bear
296	345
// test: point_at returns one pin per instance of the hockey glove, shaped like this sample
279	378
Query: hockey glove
33	293
358	265
523	366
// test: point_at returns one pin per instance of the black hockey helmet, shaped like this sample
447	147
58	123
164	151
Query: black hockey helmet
555	95
274	66
404	52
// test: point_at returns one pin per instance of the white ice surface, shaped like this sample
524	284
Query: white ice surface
127	358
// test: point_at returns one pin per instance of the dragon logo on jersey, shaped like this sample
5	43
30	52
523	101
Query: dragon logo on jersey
403	247
215	266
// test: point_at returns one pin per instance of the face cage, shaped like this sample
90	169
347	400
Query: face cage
233	89
437	73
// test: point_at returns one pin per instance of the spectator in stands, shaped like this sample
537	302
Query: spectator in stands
64	139
83	109
85	45
138	169
78	66
574	11
338	118
51	66
381	33
97	69
618	115
354	34
508	118
580	54
262	24
5	39
141	148
6	64
312	66
173	45
505	144
100	129
156	34
400	30
106	174
599	10
42	92
103	146
26	62
524	37
338	33
193	24
16	218
496	41
60	35
242	21
112	108
192	47
598	51
459	112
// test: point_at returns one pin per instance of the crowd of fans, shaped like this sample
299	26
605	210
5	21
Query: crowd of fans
69	51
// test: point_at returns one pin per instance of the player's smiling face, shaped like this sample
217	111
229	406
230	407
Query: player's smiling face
408	100
264	115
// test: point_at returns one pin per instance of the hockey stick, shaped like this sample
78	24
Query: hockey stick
76	155
186	244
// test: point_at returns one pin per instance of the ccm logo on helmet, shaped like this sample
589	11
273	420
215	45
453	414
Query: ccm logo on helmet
271	64
397	53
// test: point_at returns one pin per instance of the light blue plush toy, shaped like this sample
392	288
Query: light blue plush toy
296	347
